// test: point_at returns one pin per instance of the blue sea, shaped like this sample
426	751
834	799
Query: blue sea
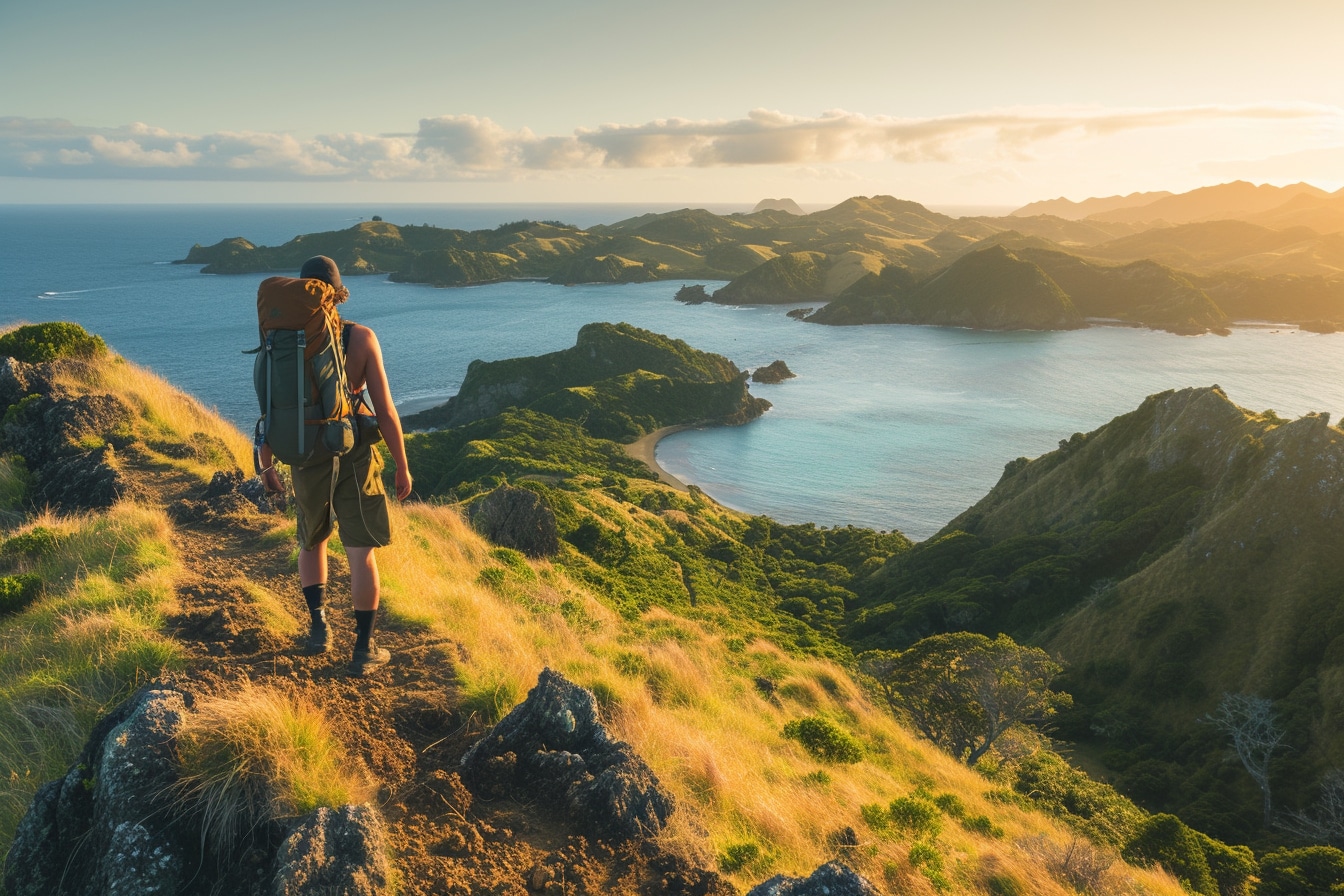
885	426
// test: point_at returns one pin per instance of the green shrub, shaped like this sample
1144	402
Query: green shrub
17	592
824	739
916	815
1301	872
1232	867
875	816
38	541
982	825
35	343
1167	841
951	804
926	857
739	856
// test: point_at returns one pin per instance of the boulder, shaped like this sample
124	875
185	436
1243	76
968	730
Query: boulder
554	745
103	828
831	879
334	851
517	518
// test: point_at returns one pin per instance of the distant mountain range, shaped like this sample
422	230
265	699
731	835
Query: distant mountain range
1190	262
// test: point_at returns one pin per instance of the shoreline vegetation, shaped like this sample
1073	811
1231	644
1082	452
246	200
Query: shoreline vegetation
1195	264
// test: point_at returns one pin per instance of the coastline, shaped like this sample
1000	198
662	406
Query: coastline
644	448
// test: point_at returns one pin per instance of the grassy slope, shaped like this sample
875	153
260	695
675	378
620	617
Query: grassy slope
1183	550
680	689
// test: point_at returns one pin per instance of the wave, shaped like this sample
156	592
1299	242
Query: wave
65	294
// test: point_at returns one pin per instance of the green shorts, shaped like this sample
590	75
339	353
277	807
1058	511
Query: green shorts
359	501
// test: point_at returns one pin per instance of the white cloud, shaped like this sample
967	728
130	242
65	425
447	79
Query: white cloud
467	147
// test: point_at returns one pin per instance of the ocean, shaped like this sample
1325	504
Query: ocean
890	427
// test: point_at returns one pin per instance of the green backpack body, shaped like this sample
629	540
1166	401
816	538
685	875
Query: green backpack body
299	373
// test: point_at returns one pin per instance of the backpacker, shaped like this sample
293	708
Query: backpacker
299	372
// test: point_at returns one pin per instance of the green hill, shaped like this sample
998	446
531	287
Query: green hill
619	381
989	289
1183	550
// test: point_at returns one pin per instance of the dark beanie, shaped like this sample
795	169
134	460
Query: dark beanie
320	267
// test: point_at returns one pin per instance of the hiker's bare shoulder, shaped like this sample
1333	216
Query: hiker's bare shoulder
363	345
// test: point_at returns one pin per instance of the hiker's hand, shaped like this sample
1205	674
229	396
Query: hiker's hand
403	483
271	479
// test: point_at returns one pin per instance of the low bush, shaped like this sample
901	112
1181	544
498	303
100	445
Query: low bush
824	739
35	343
17	592
915	815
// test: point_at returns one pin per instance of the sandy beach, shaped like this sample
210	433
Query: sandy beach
644	448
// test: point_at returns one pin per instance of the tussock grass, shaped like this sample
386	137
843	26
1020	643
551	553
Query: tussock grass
85	644
684	693
260	753
165	415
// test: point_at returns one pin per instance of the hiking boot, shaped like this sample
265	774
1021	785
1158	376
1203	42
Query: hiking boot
319	639
366	660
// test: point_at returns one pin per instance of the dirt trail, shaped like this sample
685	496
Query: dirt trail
403	722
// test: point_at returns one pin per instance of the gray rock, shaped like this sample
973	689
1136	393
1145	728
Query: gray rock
831	879
139	761
101	829
517	518
141	863
33	868
337	851
553	745
13	381
67	444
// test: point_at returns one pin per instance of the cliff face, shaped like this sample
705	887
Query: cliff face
1184	550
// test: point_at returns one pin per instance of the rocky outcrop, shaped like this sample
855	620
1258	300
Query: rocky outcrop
112	827
692	295
553	745
774	372
69	446
516	518
831	879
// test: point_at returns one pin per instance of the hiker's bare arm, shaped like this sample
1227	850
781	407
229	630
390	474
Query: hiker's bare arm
270	476
366	356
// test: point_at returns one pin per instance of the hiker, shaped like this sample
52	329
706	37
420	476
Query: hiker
356	500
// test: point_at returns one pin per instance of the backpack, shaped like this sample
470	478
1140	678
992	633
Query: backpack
299	372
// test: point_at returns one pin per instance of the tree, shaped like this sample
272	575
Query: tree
1308	871
963	690
1255	732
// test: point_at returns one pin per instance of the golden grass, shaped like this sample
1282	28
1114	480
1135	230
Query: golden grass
260	753
684	695
165	414
84	645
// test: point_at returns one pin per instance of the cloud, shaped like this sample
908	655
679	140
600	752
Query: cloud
462	147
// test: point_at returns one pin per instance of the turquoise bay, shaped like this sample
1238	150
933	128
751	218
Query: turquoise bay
885	426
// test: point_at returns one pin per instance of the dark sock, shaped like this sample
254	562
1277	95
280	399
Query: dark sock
363	628
316	597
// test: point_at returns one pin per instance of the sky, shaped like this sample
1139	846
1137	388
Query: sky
954	104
